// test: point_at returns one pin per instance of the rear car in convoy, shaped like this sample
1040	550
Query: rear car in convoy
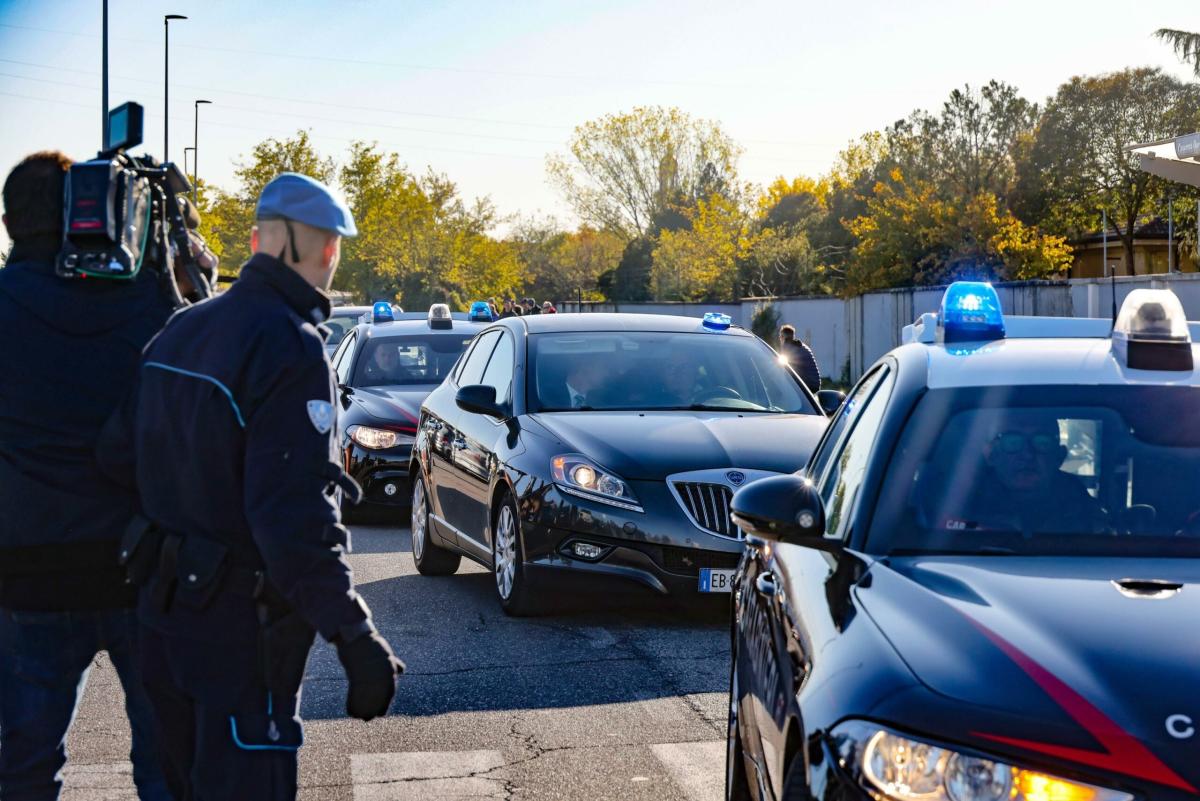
984	586
385	367
602	450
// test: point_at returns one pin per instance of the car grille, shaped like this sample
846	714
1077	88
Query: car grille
688	561
708	506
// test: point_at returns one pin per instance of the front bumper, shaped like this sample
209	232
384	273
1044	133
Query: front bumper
660	550
383	475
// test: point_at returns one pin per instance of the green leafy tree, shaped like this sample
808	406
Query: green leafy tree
1079	162
625	172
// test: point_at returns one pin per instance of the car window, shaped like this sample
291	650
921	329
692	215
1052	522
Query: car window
837	426
344	358
1096	470
500	369
656	370
409	360
339	325
472	370
848	467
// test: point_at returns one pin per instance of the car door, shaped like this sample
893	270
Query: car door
480	434
343	359
452	485
793	585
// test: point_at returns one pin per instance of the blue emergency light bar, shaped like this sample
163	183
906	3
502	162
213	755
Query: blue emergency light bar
715	321
480	312
381	312
971	313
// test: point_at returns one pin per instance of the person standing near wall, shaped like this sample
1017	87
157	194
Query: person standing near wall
799	357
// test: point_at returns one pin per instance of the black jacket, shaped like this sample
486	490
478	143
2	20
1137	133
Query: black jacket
69	350
800	357
231	440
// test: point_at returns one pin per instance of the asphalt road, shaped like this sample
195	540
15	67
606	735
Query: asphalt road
602	700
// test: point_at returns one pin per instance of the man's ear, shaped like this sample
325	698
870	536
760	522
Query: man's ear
254	239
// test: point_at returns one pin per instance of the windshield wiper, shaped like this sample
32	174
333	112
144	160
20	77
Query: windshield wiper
709	407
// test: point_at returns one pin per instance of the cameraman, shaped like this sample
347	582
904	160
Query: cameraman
69	351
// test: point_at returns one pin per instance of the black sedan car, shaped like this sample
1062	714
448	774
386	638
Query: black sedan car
604	449
385	368
984	585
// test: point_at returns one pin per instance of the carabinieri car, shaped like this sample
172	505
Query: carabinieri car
984	586
604	447
385	367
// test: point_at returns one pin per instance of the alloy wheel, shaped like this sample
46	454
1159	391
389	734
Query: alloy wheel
418	519
506	551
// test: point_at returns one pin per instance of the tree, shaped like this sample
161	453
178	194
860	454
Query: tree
968	148
1186	46
1079	160
626	171
630	279
228	216
701	262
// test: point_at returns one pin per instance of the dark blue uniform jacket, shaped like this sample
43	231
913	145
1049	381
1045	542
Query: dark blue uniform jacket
234	444
69	352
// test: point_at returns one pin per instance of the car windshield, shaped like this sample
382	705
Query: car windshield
400	361
339	324
1057	470
606	370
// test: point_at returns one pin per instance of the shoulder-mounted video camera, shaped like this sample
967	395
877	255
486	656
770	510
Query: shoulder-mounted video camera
123	213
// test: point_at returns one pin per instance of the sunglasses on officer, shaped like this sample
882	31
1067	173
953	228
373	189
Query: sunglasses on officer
1013	442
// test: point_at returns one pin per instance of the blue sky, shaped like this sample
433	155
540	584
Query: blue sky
483	91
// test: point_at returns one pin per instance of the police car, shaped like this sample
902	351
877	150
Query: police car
984	586
342	319
385	367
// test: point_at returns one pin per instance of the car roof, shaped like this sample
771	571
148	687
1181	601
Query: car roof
605	321
400	328
1036	362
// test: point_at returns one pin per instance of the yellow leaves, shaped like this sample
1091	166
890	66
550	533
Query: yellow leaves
701	262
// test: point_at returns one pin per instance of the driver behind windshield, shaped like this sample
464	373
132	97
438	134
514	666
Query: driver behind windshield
383	367
1022	486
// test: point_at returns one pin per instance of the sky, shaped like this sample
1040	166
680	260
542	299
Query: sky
484	91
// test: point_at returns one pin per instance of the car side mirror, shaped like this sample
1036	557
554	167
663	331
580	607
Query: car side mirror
830	401
346	389
480	399
782	509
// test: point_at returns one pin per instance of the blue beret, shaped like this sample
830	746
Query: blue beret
292	196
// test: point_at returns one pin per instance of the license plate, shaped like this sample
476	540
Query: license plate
713	580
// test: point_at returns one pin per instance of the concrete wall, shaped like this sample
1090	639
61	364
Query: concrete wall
848	335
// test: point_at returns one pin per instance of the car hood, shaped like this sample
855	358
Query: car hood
393	404
650	446
1079	666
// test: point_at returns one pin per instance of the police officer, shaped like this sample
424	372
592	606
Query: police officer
233	449
68	352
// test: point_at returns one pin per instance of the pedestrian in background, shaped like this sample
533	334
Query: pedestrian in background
69	352
548	308
530	306
508	310
799	357
231	441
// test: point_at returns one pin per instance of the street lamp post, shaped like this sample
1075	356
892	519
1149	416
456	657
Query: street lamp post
104	79
186	169
166	81
196	144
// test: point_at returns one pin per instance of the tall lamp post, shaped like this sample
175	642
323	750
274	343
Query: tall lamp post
166	80
186	150
104	78
196	145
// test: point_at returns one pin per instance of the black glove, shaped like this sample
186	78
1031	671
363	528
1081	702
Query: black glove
372	669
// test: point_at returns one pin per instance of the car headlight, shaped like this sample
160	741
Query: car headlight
898	768
579	475
376	439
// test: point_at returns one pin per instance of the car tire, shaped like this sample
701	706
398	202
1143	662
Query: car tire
431	559
517	595
737	785
795	783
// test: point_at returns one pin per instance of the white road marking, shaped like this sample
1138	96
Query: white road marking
420	775
698	769
103	781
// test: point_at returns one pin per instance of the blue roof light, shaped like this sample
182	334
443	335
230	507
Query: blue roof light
381	312
715	321
971	313
480	312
